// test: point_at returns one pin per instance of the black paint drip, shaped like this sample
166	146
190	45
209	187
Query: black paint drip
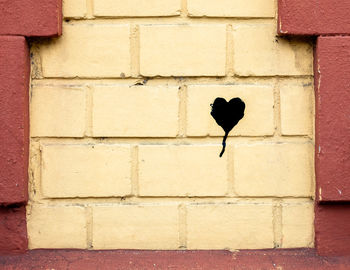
227	115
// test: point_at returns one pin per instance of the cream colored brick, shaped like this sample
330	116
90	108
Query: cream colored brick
273	169
137	8
57	111
88	50
231	8
297	225
297	108
258	52
183	50
258	119
74	8
229	226
136	227
56	227
86	170
141	111
182	171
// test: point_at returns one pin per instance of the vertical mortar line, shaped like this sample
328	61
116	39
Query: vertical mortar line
135	50
313	175
277	223
276	12
277	107
230	173
88	110
31	184
31	150
89	220
134	170
313	104
184	11
182	114
229	50
33	169
90	9
40	172
36	69
182	226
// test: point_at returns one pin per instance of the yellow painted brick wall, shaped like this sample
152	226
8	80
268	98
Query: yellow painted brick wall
124	152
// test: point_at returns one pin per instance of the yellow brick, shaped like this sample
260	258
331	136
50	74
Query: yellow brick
136	227
140	111
56	227
297	108
183	50
88	50
273	169
258	52
258	119
137	8
297	225
229	226
86	170
57	111
182	171
231	8
74	8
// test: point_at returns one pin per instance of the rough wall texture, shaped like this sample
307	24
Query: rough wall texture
30	18
124	152
329	21
333	121
313	17
19	19
13	229
14	119
190	260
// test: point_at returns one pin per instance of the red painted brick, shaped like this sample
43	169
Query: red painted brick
333	118
313	17
13	230
14	119
297	259
332	228
31	17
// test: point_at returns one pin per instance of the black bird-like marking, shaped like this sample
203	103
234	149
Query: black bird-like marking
227	115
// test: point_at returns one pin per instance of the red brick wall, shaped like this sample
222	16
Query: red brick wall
329	21
18	19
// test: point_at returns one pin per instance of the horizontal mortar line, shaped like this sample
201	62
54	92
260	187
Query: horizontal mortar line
102	138
161	20
175	141
296	136
134	199
181	79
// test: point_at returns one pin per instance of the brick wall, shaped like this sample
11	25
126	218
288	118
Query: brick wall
124	152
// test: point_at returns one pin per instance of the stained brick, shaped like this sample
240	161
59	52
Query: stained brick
135	227
279	169
86	170
182	50
229	226
88	50
182	171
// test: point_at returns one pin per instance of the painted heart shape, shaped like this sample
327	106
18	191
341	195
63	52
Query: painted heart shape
227	115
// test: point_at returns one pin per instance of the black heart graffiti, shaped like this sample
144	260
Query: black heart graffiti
227	115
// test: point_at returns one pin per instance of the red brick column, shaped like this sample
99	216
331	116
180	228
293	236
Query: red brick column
14	119
19	19
330	22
